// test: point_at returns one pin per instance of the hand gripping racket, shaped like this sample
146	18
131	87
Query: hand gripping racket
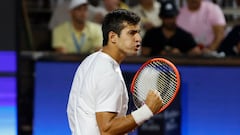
156	74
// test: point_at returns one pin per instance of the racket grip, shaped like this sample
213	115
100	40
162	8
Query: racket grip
142	114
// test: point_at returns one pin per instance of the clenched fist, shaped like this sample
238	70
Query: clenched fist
154	101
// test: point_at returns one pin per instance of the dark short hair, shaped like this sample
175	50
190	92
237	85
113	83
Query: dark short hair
114	21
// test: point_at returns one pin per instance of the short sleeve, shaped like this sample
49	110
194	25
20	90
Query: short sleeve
183	40
216	16
108	95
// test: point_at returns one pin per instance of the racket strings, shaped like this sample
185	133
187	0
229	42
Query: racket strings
166	77
155	76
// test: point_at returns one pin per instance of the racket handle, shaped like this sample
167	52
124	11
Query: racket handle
142	114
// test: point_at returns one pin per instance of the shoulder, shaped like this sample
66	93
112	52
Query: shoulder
62	28
102	62
93	27
97	61
208	5
214	13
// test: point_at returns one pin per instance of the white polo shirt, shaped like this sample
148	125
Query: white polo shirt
98	86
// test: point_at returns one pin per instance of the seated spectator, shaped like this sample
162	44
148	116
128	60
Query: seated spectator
77	35
148	11
205	21
168	39
231	43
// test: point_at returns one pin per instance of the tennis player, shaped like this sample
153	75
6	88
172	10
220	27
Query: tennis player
98	99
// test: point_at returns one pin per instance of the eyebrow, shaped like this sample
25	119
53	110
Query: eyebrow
134	31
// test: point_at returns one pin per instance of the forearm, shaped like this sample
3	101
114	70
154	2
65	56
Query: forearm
117	125
215	44
123	125
218	36
110	124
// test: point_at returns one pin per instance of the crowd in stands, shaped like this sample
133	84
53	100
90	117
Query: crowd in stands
196	28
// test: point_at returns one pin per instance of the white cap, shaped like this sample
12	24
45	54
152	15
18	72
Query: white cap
75	3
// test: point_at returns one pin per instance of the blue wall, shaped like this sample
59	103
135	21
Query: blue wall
209	98
8	92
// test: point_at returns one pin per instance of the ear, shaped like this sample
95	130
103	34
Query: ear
112	37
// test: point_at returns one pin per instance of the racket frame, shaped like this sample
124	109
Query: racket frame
175	70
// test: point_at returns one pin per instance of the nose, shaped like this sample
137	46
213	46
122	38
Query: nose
138	38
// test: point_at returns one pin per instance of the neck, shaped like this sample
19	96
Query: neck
78	26
168	32
194	7
114	53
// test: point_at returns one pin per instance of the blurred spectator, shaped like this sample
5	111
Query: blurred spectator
148	11
61	13
231	43
168	39
105	7
205	21
77	35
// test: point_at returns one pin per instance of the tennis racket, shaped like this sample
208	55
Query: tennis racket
156	74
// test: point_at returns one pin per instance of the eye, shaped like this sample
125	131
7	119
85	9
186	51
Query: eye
133	32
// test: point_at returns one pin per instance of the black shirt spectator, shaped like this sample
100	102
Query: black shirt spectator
169	39
156	40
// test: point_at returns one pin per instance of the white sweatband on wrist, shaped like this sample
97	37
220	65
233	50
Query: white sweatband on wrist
142	114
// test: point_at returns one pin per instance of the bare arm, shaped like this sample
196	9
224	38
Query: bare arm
110	124
219	35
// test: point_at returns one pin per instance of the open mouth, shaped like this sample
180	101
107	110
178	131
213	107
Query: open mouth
137	47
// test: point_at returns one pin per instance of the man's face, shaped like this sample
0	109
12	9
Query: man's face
129	41
194	4
169	22
80	13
